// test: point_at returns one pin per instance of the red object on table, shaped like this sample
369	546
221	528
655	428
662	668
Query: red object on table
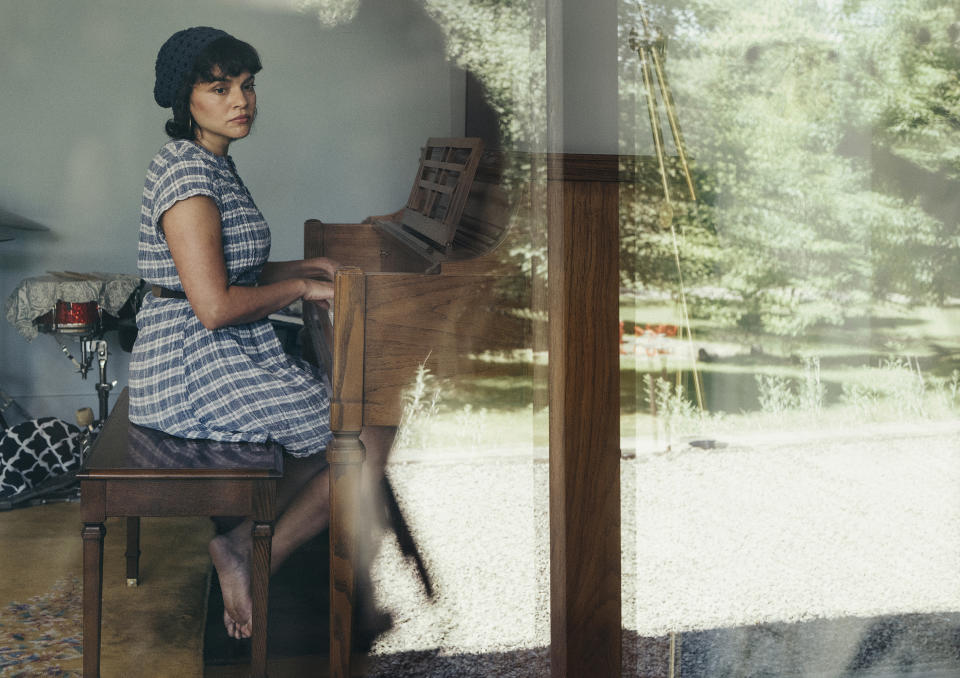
79	317
77	314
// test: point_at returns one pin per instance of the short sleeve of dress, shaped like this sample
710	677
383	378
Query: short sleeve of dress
182	178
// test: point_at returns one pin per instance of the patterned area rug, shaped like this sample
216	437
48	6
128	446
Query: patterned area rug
160	622
39	637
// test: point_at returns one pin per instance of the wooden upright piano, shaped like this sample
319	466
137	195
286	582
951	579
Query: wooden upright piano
425	286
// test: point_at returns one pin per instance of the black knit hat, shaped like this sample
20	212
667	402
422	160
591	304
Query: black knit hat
176	58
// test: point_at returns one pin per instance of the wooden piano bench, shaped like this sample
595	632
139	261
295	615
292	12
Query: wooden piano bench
133	471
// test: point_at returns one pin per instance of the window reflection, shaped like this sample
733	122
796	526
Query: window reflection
469	465
789	441
794	465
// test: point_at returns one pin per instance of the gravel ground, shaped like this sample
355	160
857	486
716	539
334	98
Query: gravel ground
765	530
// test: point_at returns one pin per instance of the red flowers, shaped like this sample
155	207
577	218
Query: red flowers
651	338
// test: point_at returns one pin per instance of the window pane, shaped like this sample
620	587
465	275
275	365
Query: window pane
470	467
790	362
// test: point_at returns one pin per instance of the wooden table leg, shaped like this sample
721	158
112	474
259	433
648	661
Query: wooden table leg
93	534
260	588
133	551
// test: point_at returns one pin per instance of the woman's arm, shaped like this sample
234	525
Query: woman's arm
317	267
192	229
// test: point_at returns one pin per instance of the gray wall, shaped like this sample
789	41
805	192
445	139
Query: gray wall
343	112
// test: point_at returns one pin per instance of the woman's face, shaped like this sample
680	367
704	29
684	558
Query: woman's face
223	110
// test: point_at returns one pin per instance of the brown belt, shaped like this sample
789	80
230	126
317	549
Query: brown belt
164	293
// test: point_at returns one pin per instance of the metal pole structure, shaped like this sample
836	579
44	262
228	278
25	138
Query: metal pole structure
647	50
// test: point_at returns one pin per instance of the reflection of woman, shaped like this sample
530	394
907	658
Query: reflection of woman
207	363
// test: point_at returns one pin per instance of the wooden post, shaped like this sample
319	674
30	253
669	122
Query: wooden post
583	285
345	455
583	278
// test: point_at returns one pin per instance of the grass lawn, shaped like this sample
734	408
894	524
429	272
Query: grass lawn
896	366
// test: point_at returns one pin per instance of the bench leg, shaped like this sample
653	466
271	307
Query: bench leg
260	588
133	551
93	534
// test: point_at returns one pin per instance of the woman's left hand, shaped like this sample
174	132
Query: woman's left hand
327	266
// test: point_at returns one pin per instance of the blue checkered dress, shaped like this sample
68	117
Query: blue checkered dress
230	384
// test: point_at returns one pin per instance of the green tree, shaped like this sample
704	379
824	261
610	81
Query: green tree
824	134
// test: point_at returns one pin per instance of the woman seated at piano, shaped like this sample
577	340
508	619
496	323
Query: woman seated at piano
207	362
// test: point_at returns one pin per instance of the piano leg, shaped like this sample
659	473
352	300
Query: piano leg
345	454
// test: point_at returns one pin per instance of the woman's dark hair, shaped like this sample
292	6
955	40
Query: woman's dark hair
227	55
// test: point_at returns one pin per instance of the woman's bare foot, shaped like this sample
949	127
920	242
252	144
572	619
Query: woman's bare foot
232	630
231	557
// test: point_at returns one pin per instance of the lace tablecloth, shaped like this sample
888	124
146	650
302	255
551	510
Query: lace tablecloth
34	297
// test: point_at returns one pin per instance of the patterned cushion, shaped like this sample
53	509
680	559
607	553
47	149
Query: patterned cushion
34	450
